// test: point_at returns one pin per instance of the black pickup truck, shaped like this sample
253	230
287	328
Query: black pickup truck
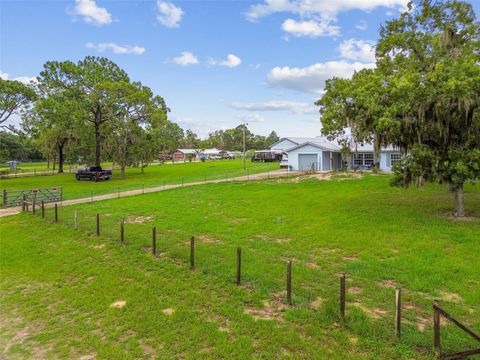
94	173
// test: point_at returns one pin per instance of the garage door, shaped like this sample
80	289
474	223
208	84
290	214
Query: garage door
305	162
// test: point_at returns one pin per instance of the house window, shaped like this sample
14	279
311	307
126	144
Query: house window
394	158
357	159
362	159
368	159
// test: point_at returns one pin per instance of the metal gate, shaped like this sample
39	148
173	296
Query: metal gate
17	197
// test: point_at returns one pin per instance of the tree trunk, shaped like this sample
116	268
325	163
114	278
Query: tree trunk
54	163
60	159
97	123
48	162
122	169
459	201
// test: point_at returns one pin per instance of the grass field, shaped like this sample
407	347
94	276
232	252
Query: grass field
58	284
154	175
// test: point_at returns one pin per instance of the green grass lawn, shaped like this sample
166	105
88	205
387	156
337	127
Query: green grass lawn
154	175
58	284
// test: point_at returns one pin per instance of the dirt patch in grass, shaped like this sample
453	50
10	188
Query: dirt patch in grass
238	220
99	246
354	290
148	350
168	311
137	219
207	239
275	240
389	283
375	313
272	309
118	304
347	175
350	258
451	297
312	265
316	304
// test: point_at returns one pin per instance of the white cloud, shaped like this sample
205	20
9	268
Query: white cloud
170	15
312	79
185	58
23	79
360	50
317	16
326	9
116	49
310	28
231	61
362	25
92	13
294	107
251	118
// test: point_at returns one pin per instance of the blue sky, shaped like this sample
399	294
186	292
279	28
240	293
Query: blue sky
216	63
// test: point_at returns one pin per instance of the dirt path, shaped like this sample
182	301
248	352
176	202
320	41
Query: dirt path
259	176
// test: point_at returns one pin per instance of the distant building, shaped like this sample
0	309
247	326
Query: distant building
184	154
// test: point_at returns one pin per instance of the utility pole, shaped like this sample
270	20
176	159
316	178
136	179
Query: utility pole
244	158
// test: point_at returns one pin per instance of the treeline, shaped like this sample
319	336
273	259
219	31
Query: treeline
91	111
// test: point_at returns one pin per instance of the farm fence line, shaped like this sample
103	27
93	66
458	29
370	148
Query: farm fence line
116	229
143	186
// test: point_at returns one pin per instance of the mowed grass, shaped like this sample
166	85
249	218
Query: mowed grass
154	175
58	284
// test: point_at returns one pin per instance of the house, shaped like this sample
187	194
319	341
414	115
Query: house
322	154
184	154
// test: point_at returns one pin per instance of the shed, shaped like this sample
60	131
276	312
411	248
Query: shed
183	154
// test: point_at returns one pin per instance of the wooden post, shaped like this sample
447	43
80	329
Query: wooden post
23	203
98	224
154	240
43	209
239	264
192	252
398	312
75	215
289	283
56	213
5	199
342	296
436	330
33	206
122	231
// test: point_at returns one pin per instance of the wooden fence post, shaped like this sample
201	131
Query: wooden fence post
5	199
192	252
33	206
342	296
289	282
43	209
98	224
154	240
122	231
239	264
23	203
398	312
75	215
436	329
56	213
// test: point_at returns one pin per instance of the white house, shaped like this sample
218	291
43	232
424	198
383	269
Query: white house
325	155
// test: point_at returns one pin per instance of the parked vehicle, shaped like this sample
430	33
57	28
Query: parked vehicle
284	162
93	173
266	156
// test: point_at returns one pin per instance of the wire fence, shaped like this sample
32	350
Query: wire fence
394	315
89	189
